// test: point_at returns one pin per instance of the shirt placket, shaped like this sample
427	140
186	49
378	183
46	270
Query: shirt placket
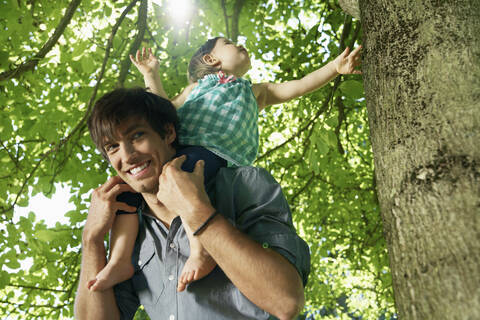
171	269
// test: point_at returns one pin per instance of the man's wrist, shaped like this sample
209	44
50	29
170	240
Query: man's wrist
205	224
199	216
92	238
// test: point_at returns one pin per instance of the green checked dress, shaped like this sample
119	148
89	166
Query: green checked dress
221	114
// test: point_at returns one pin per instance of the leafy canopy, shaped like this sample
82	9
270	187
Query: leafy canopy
58	57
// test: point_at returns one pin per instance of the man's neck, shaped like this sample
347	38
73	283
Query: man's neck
158	210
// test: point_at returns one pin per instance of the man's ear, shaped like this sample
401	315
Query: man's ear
211	60
170	134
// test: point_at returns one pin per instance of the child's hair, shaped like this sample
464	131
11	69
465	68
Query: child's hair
197	68
124	104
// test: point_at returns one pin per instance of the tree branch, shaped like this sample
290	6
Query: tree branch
142	26
237	8
225	15
346	30
305	127
36	288
82	123
30	64
341	118
14	159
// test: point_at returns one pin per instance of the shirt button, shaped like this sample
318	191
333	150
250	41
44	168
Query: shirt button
139	262
171	277
172	245
172	317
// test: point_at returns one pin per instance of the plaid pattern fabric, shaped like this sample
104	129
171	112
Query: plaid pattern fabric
221	117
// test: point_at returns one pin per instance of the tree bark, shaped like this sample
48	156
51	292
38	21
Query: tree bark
422	84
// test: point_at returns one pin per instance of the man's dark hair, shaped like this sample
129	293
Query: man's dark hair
124	104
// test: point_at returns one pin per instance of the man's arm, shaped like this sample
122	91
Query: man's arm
262	275
273	93
99	304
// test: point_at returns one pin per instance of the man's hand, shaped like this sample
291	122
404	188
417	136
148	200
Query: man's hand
183	193
346	62
103	207
146	62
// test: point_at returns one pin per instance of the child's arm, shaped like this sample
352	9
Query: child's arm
274	93
149	66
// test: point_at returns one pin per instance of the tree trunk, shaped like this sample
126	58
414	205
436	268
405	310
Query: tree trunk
422	83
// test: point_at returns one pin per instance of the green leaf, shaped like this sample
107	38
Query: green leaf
322	147
87	66
332	121
4	59
4	278
352	89
331	138
45	235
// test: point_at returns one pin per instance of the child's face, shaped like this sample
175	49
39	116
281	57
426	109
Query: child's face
234	59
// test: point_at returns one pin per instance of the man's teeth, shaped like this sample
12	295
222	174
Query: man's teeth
138	169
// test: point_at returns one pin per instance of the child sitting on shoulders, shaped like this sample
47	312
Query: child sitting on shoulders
218	113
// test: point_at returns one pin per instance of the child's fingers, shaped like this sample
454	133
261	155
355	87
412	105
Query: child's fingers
345	52
132	59
356	51
138	55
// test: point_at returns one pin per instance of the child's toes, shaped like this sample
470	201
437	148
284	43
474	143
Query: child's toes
191	276
91	283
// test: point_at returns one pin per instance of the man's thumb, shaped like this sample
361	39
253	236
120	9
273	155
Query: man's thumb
199	167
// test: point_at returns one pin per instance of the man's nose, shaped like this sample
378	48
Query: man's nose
129	153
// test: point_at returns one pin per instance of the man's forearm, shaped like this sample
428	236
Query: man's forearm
262	275
94	304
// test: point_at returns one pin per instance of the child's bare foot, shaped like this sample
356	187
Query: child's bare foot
112	274
197	266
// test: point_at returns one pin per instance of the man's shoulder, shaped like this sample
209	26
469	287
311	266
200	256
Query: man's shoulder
247	185
244	173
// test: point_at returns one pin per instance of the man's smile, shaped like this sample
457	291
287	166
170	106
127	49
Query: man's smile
139	169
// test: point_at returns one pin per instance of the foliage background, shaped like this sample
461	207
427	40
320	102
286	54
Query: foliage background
58	57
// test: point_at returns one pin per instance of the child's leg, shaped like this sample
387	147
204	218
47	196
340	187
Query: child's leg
212	162
199	263
119	267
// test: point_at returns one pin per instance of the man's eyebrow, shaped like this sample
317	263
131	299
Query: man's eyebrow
125	132
133	127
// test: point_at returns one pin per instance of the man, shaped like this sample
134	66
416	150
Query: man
243	221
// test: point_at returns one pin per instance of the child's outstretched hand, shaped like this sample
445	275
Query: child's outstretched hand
346	62
145	61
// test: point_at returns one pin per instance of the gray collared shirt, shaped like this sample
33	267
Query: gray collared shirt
253	202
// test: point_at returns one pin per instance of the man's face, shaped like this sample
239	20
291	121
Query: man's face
139	153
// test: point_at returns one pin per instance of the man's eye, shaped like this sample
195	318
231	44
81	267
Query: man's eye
137	135
110	147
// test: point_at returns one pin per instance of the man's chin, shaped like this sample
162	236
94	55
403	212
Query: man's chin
146	188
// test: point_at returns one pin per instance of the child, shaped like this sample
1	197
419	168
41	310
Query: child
218	111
